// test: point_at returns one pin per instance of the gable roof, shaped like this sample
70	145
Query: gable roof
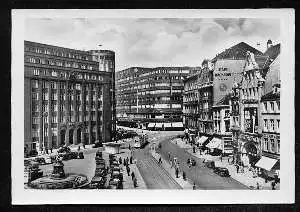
237	51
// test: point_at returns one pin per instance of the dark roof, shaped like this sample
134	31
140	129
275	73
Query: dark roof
237	51
273	51
270	96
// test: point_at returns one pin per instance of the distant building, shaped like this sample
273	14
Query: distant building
68	100
151	97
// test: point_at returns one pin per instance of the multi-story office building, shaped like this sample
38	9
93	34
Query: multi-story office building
68	96
190	103
151	97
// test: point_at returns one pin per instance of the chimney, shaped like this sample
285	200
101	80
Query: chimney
269	44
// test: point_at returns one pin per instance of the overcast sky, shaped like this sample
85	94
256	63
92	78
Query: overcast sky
154	42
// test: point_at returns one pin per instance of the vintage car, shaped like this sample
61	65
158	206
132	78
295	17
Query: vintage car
191	161
115	184
222	171
97	182
210	164
80	155
117	175
100	160
48	159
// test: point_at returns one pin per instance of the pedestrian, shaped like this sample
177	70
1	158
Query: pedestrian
120	160
132	175
194	186
183	176
124	162
51	149
127	161
135	182
221	158
129	147
130	159
194	149
128	170
237	168
159	161
257	185
273	185
176	172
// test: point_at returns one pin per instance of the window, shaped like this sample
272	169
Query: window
265	107
36	72
278	146
278	125
272	106
272	125
35	96
272	145
54	74
265	124
278	105
35	83
266	144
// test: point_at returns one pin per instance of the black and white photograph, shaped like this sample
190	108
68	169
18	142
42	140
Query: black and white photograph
149	106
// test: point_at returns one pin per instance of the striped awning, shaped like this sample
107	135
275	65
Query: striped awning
177	124
202	140
167	125
215	143
159	125
266	163
151	124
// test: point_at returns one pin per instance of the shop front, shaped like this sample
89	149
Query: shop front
250	151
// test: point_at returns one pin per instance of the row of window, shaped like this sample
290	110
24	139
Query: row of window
269	106
272	125
271	145
56	52
62	74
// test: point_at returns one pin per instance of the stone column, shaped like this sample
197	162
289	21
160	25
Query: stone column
97	113
58	114
41	121
74	103
90	113
49	116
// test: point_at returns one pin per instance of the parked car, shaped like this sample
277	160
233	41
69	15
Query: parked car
98	144
115	184
191	161
210	164
64	149
97	182
80	155
222	171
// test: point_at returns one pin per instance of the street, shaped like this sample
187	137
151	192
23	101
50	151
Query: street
203	177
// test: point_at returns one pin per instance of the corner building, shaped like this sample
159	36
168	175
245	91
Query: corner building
68	96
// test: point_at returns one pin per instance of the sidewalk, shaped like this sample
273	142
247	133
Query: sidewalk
185	184
245	178
127	180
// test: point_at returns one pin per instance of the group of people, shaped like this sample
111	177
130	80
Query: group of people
126	161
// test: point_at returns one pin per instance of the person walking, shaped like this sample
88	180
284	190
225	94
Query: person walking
135	182
183	176
194	186
132	175
257	185
159	161
130	159
176	172
273	185
237	168
127	161
128	170
124	162
120	160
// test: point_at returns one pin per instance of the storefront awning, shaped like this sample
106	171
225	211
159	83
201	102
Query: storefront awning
177	124
202	140
266	163
215	143
158	125
167	125
151	124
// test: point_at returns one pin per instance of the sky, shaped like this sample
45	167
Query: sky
154	42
